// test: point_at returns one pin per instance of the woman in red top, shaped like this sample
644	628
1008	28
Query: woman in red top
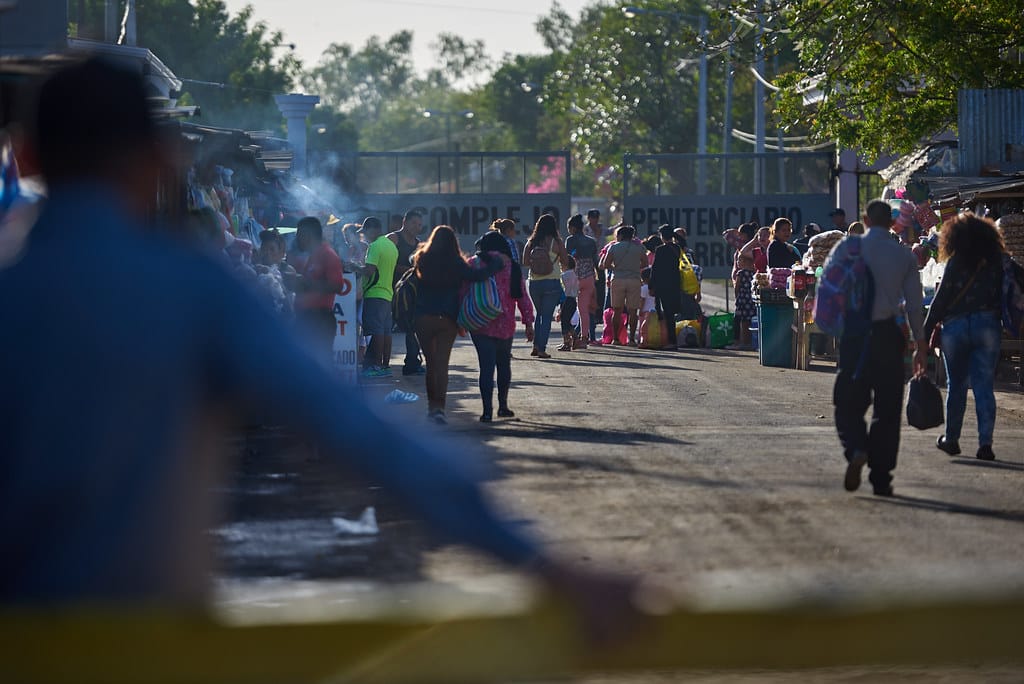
493	342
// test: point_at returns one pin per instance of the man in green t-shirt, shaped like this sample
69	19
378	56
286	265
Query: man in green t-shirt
381	257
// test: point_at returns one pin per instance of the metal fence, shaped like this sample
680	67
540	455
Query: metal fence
787	173
490	173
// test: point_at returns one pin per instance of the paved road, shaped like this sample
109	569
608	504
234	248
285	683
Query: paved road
700	468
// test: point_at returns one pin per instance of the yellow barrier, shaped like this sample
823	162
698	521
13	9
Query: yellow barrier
536	644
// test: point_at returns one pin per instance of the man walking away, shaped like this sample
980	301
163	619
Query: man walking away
870	370
406	239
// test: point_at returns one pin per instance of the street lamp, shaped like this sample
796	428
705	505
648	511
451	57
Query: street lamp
702	97
462	114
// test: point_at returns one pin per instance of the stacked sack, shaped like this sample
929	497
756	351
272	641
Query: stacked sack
1012	228
819	247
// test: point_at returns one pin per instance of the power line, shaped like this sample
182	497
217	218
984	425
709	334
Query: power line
465	8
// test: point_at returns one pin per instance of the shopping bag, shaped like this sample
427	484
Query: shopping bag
688	333
609	316
720	330
480	305
653	331
924	404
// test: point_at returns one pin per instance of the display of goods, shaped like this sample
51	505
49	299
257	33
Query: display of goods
903	213
820	246
828	239
925	215
761	280
773	296
1012	228
780	277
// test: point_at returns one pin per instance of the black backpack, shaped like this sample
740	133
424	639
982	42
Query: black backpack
403	302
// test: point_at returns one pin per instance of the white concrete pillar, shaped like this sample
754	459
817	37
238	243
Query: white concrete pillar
846	184
295	108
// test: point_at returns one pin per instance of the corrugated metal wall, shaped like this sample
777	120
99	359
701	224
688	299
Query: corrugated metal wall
988	121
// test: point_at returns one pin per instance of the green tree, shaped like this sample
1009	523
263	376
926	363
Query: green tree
230	65
246	62
881	77
515	102
364	82
377	87
626	84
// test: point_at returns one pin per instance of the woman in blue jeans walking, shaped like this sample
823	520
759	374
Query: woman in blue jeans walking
968	305
493	342
543	254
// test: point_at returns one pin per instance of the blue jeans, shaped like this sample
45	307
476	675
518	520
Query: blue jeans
493	353
970	349
545	295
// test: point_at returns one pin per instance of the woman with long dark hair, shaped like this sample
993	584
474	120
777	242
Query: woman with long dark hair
968	305
543	254
493	342
441	270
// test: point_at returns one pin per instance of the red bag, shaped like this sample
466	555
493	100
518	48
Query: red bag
609	316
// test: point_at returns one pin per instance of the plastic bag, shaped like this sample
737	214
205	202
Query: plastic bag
924	404
688	333
653	331
720	330
609	316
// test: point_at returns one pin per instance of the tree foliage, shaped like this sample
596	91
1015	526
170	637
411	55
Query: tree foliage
378	88
242	62
201	41
889	72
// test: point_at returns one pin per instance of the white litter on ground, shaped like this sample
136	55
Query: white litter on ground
366	524
400	397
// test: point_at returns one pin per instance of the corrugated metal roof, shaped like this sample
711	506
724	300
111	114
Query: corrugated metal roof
963	189
989	121
936	158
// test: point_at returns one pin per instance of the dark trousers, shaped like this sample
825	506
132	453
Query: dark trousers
566	314
493	353
412	353
878	383
437	333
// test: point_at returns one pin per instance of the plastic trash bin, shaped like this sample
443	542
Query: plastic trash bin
775	325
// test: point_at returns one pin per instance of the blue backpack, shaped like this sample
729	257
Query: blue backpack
845	294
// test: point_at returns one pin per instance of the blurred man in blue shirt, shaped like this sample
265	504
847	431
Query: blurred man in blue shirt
119	358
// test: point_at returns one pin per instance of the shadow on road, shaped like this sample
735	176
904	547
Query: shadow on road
947	507
523	462
997	465
631	365
531	429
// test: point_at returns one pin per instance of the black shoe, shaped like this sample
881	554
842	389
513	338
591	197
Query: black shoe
883	491
951	447
485	418
853	471
419	370
984	451
506	413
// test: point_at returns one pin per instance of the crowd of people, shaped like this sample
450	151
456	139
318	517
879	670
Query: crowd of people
113	479
633	283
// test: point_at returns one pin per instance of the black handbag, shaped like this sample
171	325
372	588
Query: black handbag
924	404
